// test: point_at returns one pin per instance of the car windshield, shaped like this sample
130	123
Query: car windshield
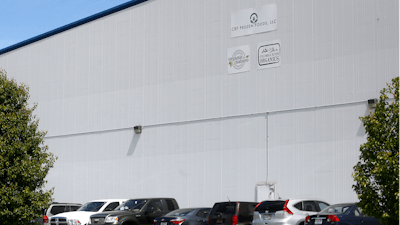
134	205
91	206
179	212
225	208
270	206
336	209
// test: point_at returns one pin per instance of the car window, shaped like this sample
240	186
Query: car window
251	207
111	206
203	213
246	208
155	206
299	206
74	207
336	209
57	209
270	206
310	206
243	208
134	205
91	206
225	208
170	204
356	212
322	205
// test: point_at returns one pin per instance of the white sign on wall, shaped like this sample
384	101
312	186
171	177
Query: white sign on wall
239	59
269	54
254	20
266	191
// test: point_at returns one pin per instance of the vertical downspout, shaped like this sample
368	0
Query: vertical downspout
266	146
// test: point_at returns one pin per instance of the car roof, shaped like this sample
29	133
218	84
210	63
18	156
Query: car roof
295	199
236	202
345	203
148	198
193	208
108	200
64	203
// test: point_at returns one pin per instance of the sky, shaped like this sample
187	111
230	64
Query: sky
23	19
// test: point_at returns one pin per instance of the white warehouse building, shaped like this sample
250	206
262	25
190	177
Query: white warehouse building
246	100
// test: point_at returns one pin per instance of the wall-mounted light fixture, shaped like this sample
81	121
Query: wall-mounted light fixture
372	102
137	129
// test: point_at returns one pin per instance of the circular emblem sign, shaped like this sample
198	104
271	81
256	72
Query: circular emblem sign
253	18
238	59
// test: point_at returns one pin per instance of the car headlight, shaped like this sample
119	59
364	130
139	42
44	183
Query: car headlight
73	222
111	219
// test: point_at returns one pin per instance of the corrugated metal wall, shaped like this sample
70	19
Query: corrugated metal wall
207	135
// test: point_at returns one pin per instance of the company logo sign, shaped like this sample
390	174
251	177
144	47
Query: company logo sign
269	54
239	59
262	19
253	18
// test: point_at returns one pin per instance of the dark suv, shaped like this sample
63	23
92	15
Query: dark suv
141	211
232	213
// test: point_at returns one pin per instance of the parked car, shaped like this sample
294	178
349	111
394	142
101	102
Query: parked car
286	212
57	208
232	213
82	215
140	211
188	216
345	213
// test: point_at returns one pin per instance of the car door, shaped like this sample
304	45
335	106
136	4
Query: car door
365	220
353	216
155	208
201	217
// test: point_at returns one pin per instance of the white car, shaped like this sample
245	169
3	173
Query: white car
57	208
82	215
286	211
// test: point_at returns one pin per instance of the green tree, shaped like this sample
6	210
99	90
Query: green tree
24	159
377	173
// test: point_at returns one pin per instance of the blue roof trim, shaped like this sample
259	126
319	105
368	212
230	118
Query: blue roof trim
72	25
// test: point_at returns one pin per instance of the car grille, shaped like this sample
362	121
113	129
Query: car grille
97	220
58	221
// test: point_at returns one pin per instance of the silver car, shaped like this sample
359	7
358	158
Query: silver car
286	211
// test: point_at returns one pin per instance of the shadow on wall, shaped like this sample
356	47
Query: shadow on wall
134	142
361	129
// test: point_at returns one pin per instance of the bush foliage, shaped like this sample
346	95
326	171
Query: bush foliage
377	173
24	159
